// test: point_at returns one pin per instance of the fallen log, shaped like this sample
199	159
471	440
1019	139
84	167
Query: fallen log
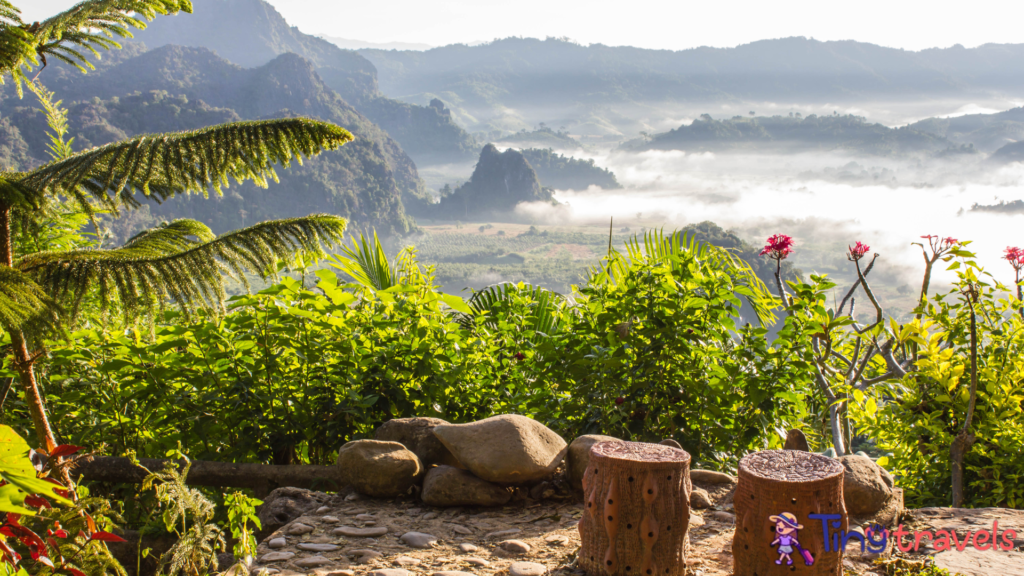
262	478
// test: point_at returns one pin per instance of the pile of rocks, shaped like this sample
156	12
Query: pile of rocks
475	464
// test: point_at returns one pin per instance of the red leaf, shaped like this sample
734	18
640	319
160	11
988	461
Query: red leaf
75	571
37	502
13	518
61	533
64	450
90	523
44	560
106	537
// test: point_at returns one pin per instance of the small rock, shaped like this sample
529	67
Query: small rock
502	533
696	521
341	573
330	519
460	529
286	504
413	511
365	517
505	449
353	532
578	456
671	442
542	491
378	469
352	496
419	540
429	516
407	561
355	512
711	477
724	517
298	529
312	547
452	573
557	540
515	546
527	569
449	486
276	556
865	490
312	562
391	572
365	556
466	548
323	509
699	499
475	561
277	543
795	440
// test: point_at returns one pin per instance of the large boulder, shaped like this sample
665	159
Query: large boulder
417	434
449	486
865	489
286	504
507	449
578	457
379	469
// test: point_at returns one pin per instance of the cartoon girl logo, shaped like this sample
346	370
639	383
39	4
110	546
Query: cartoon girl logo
786	532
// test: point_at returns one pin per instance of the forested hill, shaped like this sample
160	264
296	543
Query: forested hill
780	134
252	33
177	88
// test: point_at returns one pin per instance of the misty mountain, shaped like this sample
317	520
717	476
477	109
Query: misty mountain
500	181
1013	152
178	88
566	173
793	134
252	33
559	81
987	132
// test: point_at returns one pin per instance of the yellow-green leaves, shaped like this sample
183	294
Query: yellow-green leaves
17	470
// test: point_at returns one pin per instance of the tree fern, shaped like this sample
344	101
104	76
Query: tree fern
543	318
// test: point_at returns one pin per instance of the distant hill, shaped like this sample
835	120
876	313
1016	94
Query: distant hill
1013	152
565	173
177	88
252	33
542	137
559	81
500	181
987	132
793	134
349	44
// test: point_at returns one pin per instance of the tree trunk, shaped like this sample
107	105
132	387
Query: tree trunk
24	361
964	440
637	510
260	477
793	484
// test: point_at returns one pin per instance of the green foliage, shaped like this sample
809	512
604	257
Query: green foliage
242	512
187	514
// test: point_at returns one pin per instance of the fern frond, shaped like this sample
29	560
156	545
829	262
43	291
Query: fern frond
368	264
14	193
180	262
543	305
24	305
163	165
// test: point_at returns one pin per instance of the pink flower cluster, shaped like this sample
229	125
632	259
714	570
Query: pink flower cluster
778	247
858	251
942	243
1015	256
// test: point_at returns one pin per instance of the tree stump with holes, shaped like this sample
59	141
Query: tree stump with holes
777	492
636	511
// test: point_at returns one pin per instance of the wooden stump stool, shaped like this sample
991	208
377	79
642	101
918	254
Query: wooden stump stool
777	493
636	511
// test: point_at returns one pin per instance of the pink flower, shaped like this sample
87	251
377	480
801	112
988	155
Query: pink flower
948	241
778	247
857	252
1015	256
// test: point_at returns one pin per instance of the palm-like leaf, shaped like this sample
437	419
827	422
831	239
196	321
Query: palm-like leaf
24	304
181	262
368	264
162	165
85	27
657	246
543	319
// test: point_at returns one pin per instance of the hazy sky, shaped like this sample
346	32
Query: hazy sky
667	24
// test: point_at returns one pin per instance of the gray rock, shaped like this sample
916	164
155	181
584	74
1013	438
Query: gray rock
379	469
365	517
276	556
355	512
671	442
284	505
503	533
452	573
578	456
407	561
475	561
711	477
391	572
429	516
417	434
795	440
365	556
312	562
557	540
277	543
724	517
466	548
460	529
330	519
505	449
865	490
298	529
699	499
527	569
317	547
353	532
448	486
515	546
323	509
419	540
